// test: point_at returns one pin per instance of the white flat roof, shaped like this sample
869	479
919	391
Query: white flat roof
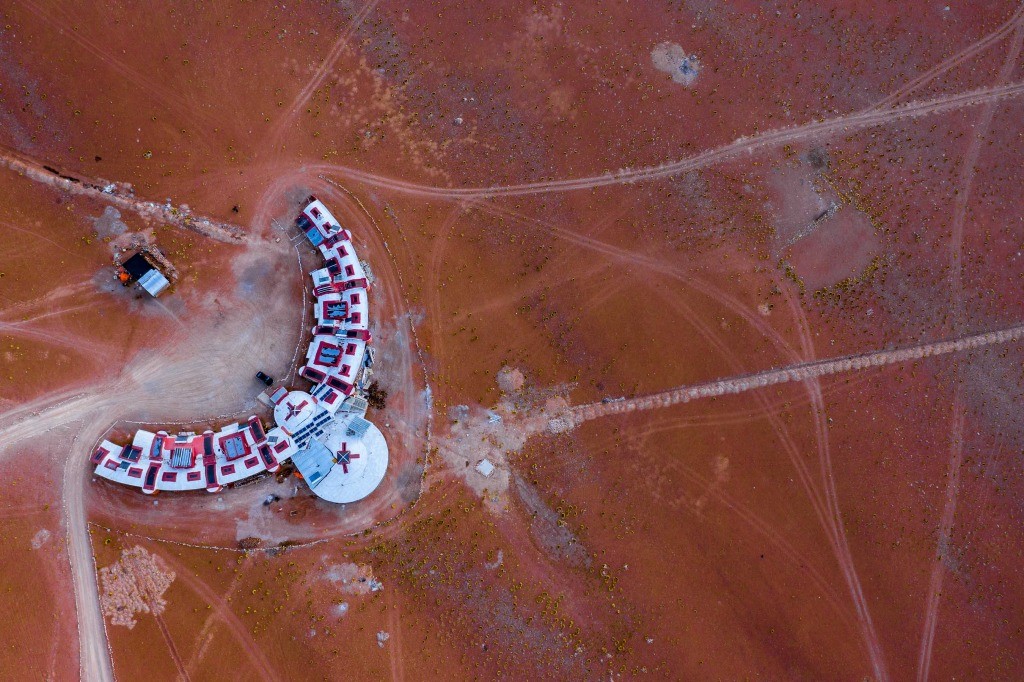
294	411
112	467
154	282
367	463
351	268
320	216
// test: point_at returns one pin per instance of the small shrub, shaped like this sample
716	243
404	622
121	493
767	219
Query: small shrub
376	396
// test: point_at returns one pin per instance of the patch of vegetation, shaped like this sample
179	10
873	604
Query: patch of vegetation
791	274
249	543
376	396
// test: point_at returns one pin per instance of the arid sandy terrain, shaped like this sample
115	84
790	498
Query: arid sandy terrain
728	294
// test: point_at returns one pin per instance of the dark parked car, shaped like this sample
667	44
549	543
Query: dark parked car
268	380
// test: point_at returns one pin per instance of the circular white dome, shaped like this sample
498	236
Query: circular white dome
360	463
294	411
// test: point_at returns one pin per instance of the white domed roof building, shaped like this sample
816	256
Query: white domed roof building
295	409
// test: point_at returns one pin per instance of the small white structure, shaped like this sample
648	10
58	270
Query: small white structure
139	269
154	282
485	467
293	410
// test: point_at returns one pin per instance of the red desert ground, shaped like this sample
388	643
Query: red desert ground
668	340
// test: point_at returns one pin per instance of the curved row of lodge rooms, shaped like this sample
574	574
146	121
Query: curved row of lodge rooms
340	454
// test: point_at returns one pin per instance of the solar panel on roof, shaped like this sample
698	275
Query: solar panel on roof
181	458
257	429
329	355
234	447
355	404
268	459
358	427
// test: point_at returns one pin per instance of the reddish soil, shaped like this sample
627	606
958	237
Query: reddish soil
863	525
39	642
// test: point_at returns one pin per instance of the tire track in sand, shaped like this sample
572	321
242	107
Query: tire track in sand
754	520
148	210
95	660
826	509
205	635
321	73
956	446
955	60
823	500
868	118
171	648
395	655
160	91
840	542
233	623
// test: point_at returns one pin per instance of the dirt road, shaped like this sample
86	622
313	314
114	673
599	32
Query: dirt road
773	138
94	661
966	182
205	367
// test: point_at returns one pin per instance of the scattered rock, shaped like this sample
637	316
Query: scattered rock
134	584
249	543
510	380
40	538
109	224
673	60
353	578
493	565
